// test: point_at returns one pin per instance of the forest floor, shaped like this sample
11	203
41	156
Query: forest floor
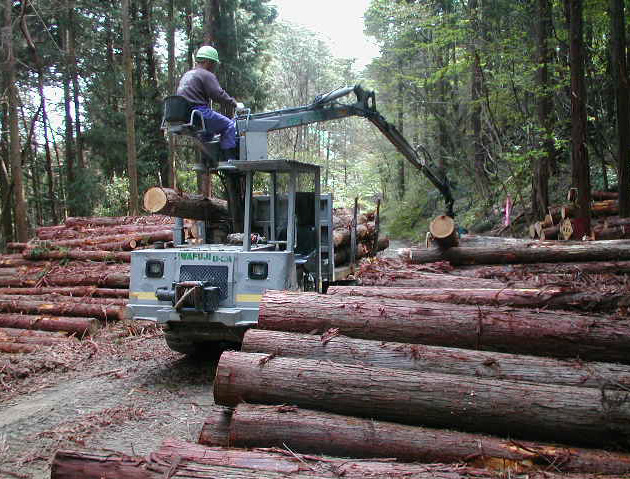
120	391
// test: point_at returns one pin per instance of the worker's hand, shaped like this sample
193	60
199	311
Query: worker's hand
240	106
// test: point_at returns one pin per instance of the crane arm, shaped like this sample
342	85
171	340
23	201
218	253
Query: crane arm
327	107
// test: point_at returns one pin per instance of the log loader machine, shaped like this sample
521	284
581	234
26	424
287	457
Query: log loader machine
207	295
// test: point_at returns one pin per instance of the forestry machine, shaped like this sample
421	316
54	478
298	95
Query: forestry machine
210	292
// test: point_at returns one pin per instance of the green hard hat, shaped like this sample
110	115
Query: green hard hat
207	53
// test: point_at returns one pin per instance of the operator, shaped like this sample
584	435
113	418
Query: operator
199	86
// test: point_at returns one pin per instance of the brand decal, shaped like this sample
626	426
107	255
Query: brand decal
215	258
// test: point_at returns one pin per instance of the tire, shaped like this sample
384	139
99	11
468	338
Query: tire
206	349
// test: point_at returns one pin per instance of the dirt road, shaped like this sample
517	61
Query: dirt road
118	391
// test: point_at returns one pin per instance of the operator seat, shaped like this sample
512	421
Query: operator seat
180	118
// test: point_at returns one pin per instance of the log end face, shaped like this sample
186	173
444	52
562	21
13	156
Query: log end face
154	199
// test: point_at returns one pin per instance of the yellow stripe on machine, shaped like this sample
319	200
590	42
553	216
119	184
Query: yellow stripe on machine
248	298
142	295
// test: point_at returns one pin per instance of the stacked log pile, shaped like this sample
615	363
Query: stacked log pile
476	365
368	239
70	279
560	222
481	369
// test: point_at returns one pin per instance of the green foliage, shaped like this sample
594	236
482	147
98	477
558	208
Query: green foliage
115	198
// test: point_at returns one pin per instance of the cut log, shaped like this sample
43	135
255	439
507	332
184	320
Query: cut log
192	461
139	237
71	325
548	221
170	202
74	274
528	411
13	260
57	308
556	213
216	429
341	237
92	221
533	233
612	232
80	255
382	243
26	336
315	432
591	251
542	333
444	231
59	298
604	195
82	232
549	298
516	271
436	359
12	246
598	208
567	230
77	291
549	233
12	347
418	279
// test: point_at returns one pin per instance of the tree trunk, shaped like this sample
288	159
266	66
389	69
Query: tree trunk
546	298
528	411
132	170
70	325
171	68
593	251
580	169
542	165
169	202
612	232
622	99
437	359
309	432
60	308
542	333
76	291
17	181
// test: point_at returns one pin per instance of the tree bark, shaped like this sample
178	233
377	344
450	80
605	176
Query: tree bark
580	252
17	181
597	208
192	461
65	233
166	201
25	336
77	291
547	298
580	169
528	411
96	240
437	359
93	221
80	255
419	279
59	308
518	271
542	333
619	70
63	299
70	325
132	169
309	432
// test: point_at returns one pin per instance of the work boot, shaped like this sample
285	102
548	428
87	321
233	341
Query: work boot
230	154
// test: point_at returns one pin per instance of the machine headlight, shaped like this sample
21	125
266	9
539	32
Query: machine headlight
154	268
258	270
